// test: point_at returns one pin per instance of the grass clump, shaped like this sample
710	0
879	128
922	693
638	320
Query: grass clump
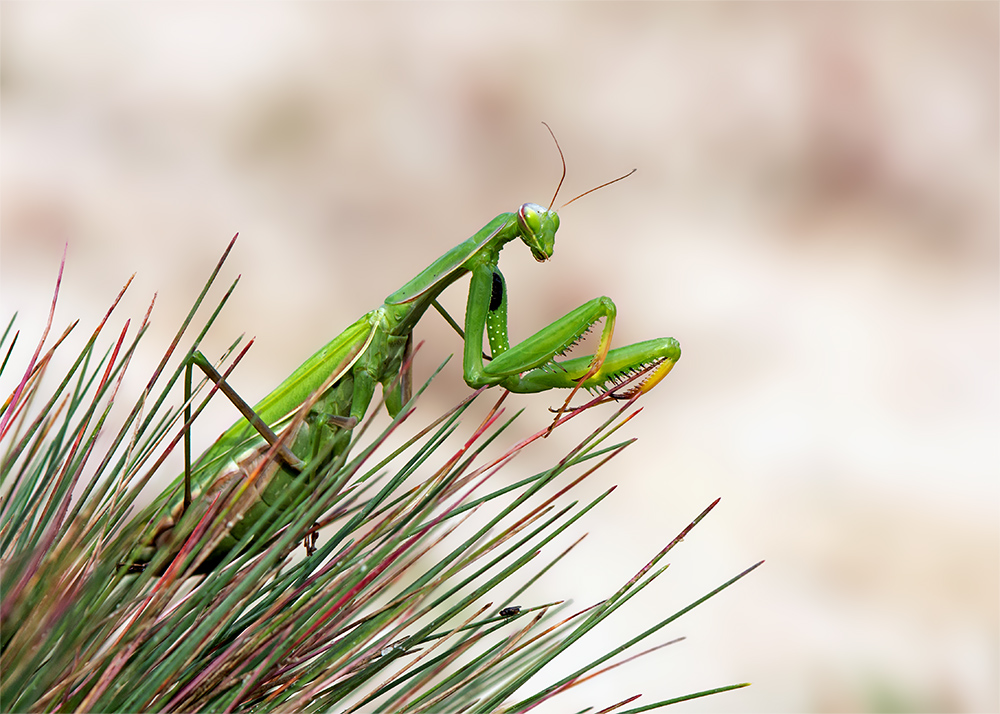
407	603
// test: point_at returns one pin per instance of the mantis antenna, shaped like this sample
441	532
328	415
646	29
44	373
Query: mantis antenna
561	158
597	187
563	177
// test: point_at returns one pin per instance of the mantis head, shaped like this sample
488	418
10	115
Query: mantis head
538	229
538	225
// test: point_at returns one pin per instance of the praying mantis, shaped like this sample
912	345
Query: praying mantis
341	377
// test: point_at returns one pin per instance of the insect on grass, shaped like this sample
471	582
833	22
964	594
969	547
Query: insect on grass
339	381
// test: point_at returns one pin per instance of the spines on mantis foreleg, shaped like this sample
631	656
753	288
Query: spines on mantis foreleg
619	364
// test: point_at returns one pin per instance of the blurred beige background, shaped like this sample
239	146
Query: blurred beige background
814	217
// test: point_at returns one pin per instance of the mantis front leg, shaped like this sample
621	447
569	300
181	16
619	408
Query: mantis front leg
530	366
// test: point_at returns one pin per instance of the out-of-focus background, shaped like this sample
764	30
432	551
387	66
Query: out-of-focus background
814	217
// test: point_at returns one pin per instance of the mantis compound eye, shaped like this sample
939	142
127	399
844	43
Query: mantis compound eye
529	217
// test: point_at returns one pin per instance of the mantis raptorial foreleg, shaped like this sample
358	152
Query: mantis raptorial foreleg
487	312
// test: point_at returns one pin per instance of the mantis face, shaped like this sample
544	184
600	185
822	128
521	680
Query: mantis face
538	229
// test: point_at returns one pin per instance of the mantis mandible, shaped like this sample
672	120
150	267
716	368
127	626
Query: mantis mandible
375	348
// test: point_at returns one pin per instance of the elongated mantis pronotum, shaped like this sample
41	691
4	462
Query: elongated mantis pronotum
374	351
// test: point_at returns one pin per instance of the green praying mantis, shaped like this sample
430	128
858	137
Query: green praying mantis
341	378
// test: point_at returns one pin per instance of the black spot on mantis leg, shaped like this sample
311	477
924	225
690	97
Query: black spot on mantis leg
496	295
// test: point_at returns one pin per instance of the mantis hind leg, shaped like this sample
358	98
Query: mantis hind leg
291	461
197	358
272	439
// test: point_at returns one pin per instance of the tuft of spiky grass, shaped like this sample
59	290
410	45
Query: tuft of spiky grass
404	606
